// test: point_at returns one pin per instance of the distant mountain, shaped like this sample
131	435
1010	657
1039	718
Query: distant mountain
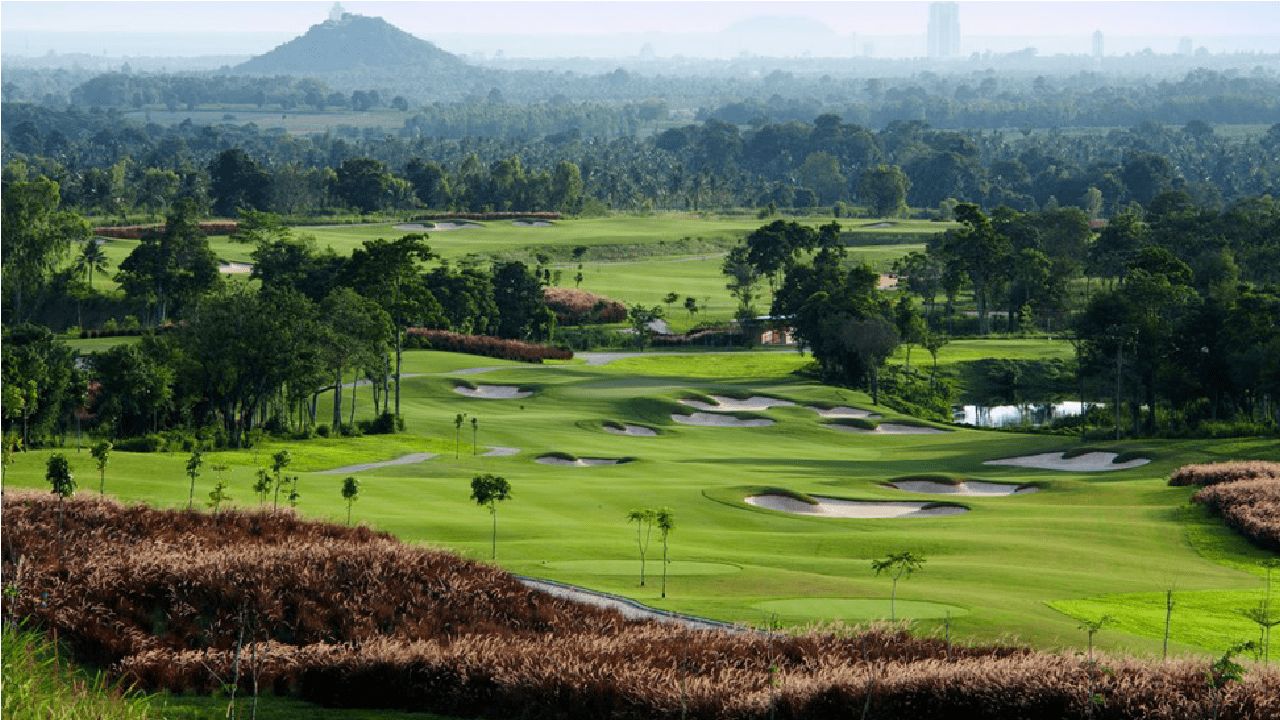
352	43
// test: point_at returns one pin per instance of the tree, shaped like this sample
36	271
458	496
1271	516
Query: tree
898	565
666	523
237	182
644	518
219	495
91	258
279	461
101	453
475	429
363	183
487	491
521	304
58	473
37	235
883	189
193	471
457	434
642	319
979	252
173	270
350	493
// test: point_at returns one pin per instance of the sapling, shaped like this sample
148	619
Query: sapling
1092	627
58	473
644	519
666	523
350	493
475	428
263	486
457	434
898	565
487	491
279	461
101	453
193	471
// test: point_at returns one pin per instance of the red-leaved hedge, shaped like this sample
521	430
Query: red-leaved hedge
487	346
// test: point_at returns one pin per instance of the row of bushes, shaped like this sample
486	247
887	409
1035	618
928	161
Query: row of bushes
349	617
579	307
214	437
1216	473
125	332
138	232
484	345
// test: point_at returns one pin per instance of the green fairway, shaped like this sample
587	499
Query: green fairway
1009	568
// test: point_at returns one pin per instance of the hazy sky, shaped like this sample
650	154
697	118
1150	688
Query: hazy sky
1014	17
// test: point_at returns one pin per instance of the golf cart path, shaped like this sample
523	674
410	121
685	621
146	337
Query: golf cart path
630	609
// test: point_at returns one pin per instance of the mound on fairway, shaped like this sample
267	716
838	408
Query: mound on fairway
1088	462
579	462
632	430
831	507
493	392
969	488
842	412
409	459
728	404
711	420
888	429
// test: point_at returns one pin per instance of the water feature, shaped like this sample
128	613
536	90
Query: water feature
1026	415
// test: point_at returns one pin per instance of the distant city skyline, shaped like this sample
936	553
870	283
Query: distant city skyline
37	27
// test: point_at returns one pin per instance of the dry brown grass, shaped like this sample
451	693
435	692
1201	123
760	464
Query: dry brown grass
351	617
1217	473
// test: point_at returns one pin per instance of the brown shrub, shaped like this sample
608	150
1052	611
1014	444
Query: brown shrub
579	307
1251	507
1215	473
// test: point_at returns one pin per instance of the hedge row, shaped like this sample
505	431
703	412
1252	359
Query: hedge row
486	346
579	307
1216	473
138	232
349	617
131	332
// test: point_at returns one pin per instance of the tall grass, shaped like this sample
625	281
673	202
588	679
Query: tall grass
39	685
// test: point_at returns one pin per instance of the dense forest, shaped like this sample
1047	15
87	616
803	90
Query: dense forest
1136	213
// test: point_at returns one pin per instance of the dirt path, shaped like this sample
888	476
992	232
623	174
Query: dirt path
629	608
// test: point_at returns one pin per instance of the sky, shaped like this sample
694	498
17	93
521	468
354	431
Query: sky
430	19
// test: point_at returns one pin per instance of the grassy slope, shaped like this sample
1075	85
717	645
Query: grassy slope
1085	535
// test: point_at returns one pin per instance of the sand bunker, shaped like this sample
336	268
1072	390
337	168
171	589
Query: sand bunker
579	462
633	430
888	429
844	412
493	392
437	227
728	404
969	488
501	452
235	268
530	223
830	507
1088	462
711	420
405	460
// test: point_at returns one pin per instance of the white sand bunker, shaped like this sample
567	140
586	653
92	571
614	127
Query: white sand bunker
235	268
633	430
437	227
844	412
888	429
530	223
404	460
728	404
493	392
830	507
712	420
501	452
969	488
1088	462
579	462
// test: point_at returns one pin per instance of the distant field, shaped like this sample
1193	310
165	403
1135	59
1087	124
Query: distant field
294	122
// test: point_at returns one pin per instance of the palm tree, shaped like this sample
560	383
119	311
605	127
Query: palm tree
91	258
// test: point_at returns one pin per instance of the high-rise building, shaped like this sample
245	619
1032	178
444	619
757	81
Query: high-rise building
1184	46
944	29
1097	44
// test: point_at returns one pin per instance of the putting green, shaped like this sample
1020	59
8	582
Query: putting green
859	609
632	567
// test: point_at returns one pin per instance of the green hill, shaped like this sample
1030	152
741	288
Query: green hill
353	42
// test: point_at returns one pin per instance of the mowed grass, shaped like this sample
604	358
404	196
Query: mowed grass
996	569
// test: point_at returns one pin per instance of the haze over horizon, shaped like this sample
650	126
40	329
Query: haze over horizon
603	29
